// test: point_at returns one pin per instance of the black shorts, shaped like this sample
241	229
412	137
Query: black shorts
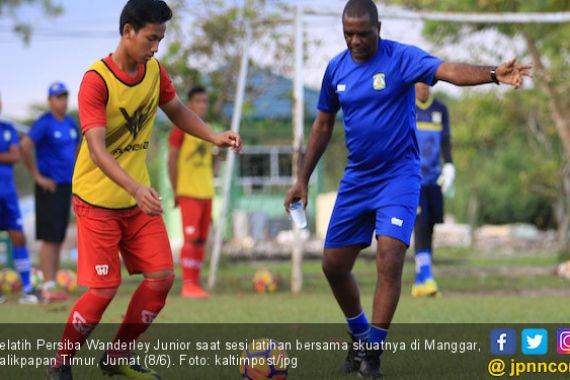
52	213
431	204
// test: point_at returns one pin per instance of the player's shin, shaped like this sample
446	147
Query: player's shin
147	301
84	317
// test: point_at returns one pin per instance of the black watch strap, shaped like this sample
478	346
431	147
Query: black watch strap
493	74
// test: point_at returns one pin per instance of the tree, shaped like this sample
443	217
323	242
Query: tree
489	136
205	41
548	47
9	8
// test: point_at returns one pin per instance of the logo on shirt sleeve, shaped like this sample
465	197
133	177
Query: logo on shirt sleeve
397	221
379	81
7	135
340	87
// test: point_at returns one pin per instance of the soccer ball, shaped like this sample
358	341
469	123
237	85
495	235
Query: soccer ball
66	279
10	281
37	277
263	359
563	270
265	282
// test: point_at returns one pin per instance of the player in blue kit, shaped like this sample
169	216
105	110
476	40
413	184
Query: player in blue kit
55	137
434	139
10	216
373	83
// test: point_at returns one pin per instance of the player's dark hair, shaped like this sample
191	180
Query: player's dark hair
196	90
361	8
138	13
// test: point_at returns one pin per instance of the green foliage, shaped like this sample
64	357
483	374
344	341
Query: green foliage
205	44
498	160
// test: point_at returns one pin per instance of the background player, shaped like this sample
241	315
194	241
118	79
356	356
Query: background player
115	206
55	138
373	82
10	216
434	139
191	177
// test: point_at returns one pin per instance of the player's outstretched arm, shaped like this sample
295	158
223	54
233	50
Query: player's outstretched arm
319	138
147	198
463	74
189	122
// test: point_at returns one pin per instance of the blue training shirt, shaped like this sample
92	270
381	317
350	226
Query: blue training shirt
432	127
377	98
56	142
8	137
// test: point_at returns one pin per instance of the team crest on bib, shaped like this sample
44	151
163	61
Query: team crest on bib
379	81
436	117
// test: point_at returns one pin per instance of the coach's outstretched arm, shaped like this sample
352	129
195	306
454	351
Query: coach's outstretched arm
189	122
463	74
318	140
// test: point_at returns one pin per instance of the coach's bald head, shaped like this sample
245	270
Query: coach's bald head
361	8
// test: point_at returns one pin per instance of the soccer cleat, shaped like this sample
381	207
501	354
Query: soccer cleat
370	365
127	367
30	298
426	289
59	373
194	291
353	357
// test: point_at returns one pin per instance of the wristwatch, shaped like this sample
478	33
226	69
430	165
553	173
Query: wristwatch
493	74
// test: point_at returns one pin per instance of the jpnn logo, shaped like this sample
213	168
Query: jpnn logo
503	341
534	341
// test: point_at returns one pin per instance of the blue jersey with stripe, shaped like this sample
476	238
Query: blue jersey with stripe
377	98
8	137
432	126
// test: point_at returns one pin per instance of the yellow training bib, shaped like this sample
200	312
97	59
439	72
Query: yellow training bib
131	111
195	169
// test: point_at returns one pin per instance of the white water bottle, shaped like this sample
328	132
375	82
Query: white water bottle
297	212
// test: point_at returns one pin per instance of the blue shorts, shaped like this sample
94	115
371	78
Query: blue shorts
386	206
10	216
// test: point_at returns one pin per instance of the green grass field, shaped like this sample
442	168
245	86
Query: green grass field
477	288
479	292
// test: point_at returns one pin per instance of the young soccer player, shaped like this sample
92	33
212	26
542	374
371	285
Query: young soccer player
434	140
55	138
373	83
10	216
191	177
116	208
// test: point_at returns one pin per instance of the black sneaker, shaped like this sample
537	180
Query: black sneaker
59	373
370	365
353	357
